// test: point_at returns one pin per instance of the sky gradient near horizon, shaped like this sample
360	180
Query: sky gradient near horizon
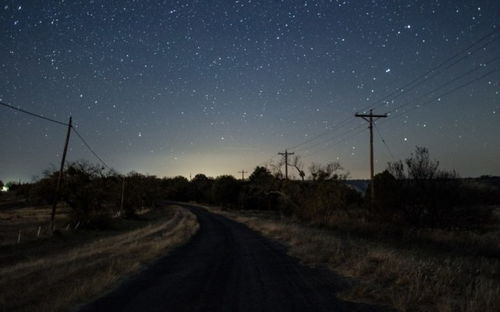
184	87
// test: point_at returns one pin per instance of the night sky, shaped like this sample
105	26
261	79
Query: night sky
178	87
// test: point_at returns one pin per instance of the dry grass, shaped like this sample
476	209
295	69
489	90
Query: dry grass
27	220
54	274
408	279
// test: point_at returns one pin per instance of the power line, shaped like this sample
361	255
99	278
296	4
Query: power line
448	83
430	101
402	113
60	176
445	94
33	114
330	139
336	126
90	148
267	161
489	62
414	83
383	141
59	123
424	77
341	139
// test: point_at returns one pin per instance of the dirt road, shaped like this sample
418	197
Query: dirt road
227	267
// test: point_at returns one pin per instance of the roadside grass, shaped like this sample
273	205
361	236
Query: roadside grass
410	273
56	273
18	219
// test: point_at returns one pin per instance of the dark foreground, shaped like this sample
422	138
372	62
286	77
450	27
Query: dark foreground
227	267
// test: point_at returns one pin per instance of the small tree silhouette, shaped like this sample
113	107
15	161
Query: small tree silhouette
297	164
331	171
225	190
417	192
261	175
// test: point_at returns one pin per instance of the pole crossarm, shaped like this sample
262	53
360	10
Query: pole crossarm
243	174
368	116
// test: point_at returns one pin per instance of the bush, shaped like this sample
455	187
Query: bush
95	194
225	190
200	188
176	188
322	200
417	193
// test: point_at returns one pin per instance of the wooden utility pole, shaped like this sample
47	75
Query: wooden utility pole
59	179
370	118
286	154
123	196
243	174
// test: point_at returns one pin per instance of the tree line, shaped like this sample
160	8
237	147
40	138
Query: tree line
413	192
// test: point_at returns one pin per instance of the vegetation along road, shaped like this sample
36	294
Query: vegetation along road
227	267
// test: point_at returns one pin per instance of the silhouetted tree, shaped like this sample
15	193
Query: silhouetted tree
201	187
261	176
427	196
388	199
298	165
83	189
141	191
176	188
44	189
275	168
332	171
225	190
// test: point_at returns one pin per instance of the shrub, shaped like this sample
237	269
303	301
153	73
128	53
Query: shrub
200	188
225	190
416	192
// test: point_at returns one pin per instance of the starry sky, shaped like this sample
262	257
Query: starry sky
181	87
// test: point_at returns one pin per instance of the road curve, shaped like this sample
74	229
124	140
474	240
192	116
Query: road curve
227	267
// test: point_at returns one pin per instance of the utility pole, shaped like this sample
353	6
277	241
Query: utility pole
243	174
370	118
59	179
286	154
123	196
